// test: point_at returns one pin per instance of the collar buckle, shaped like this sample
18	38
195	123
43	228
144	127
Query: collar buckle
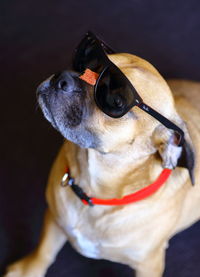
67	180
81	194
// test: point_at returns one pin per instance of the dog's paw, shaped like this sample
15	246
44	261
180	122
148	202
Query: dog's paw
27	267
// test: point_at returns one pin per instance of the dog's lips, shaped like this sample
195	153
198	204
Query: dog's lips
44	86
42	93
45	107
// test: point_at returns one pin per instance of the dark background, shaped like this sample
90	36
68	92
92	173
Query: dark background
37	39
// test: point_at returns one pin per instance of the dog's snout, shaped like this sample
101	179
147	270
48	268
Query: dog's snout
65	81
59	81
62	84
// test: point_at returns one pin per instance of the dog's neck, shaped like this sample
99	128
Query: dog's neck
117	173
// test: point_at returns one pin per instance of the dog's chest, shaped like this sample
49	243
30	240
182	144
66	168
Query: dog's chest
83	243
83	231
103	238
90	235
109	233
98	236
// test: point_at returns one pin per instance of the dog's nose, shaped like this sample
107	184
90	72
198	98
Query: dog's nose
65	81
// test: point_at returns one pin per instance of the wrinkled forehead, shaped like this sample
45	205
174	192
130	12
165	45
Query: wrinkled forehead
144	77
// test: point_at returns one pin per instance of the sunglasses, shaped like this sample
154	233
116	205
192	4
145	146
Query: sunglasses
113	92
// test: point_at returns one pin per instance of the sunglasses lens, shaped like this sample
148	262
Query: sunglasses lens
113	94
88	55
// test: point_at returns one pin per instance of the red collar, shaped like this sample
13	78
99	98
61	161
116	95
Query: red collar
131	198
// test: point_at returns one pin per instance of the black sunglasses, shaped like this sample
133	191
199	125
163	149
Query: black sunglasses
113	92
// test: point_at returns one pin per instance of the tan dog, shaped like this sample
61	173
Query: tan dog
117	157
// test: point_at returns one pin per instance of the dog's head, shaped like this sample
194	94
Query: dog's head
68	103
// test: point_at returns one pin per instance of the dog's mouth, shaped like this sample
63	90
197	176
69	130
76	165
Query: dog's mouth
46	108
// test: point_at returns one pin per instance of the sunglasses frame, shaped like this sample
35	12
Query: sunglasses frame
102	49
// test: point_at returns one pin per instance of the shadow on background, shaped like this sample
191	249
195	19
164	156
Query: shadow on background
37	39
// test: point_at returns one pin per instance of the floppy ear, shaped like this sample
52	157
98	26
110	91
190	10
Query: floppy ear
171	154
187	159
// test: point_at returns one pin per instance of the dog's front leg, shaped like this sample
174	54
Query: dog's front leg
37	263
153	265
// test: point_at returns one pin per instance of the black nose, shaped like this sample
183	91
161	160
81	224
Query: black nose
65	81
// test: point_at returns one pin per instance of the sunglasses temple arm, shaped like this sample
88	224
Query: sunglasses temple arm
166	122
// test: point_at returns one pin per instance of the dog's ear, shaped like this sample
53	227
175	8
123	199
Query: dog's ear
172	155
187	159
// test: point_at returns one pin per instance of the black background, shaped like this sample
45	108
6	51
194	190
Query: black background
37	39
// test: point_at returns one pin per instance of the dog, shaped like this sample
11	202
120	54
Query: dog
110	157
